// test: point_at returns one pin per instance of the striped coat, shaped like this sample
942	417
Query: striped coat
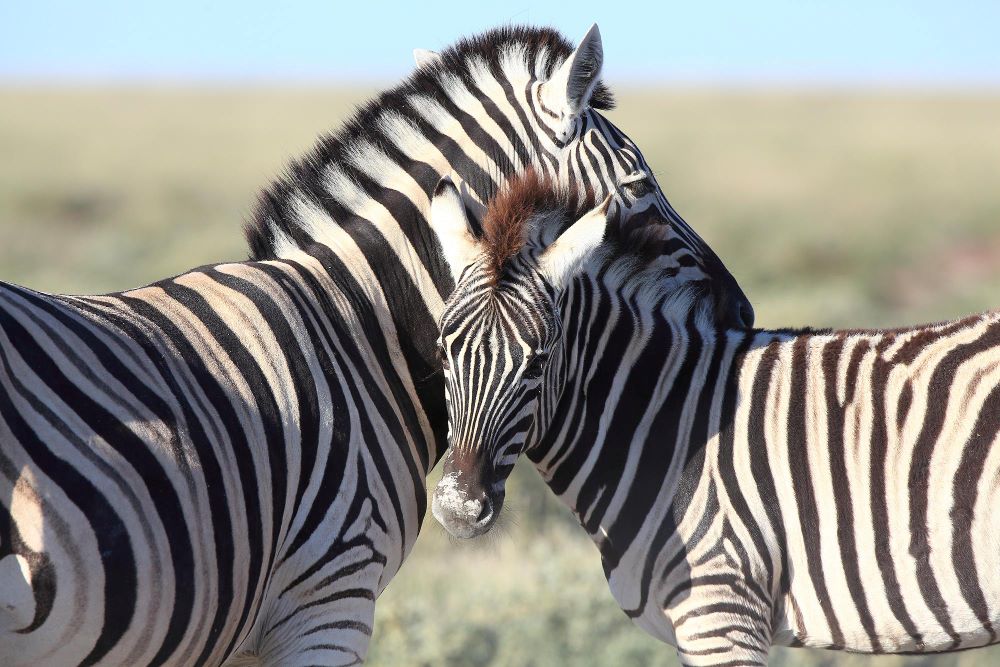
229	464
745	488
190	473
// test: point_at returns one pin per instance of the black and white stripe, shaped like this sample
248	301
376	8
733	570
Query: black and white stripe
750	488
230	464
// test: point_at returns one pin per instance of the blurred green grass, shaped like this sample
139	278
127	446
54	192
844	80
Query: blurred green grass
832	209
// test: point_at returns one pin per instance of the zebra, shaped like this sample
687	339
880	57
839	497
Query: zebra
228	466
745	487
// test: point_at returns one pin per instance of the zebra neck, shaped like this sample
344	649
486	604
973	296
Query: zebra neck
656	419
366	225
644	399
394	329
633	410
361	208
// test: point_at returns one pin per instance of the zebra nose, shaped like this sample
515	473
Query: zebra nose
485	515
745	314
732	308
461	513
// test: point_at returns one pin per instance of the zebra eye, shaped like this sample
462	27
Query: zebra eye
535	367
442	357
639	189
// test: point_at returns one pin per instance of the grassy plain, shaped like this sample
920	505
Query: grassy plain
832	209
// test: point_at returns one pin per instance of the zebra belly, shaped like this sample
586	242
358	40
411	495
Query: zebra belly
922	590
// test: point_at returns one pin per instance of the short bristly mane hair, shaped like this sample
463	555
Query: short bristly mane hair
277	213
533	198
525	198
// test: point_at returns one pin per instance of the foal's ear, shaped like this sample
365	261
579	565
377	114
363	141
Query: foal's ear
425	57
561	260
451	224
569	89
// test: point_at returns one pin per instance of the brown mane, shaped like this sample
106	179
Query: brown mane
520	200
529	195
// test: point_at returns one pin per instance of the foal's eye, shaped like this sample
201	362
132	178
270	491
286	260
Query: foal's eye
535	367
442	356
639	189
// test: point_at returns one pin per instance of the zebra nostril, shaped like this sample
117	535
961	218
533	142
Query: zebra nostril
486	513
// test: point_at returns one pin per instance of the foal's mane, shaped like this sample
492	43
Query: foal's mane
531	198
528	198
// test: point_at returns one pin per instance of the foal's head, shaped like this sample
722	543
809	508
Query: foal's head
502	324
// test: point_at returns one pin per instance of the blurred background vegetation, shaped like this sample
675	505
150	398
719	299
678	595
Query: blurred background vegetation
832	209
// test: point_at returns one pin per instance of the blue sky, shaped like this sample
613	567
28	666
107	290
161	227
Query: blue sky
874	42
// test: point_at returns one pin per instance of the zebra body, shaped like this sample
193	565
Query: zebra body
229	464
831	490
828	489
190	470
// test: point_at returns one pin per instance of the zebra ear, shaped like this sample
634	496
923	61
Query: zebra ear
561	260
569	89
425	57
450	223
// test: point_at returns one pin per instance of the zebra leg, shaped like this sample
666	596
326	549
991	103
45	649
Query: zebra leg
721	625
719	638
326	640
332	629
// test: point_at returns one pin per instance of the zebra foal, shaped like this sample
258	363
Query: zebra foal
746	488
228	466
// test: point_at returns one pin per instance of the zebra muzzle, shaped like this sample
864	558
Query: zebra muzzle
463	505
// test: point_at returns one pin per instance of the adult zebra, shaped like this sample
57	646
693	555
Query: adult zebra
830	489
230	464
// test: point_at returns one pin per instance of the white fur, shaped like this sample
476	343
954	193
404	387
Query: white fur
450	223
426	57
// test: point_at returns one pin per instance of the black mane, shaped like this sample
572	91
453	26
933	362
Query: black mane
274	208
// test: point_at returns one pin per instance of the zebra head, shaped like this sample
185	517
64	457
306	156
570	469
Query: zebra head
501	325
528	100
